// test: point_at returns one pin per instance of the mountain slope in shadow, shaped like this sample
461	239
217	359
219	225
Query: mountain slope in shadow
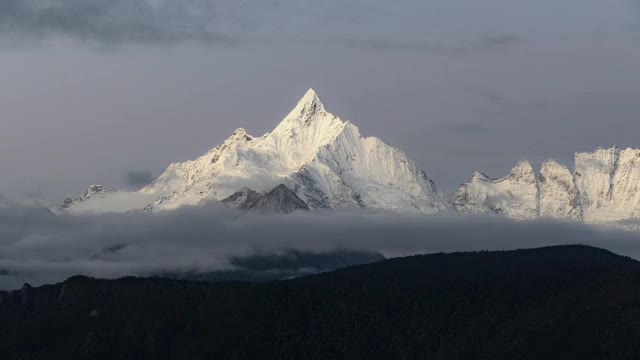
548	303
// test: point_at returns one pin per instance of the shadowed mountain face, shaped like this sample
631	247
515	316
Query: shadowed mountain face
278	200
550	303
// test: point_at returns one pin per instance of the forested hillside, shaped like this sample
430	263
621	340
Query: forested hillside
549	303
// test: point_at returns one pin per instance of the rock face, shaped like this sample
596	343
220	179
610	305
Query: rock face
322	159
604	188
558	194
609	183
279	200
243	199
92	193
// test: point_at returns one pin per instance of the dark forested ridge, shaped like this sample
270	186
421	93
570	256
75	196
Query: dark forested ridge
285	264
559	302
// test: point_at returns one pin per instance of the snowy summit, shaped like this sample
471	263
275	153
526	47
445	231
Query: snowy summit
322	160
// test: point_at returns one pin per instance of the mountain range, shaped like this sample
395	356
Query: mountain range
603	188
313	160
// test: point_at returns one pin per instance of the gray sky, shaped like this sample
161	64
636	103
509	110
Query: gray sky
108	91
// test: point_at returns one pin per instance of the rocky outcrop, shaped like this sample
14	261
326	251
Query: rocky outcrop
279	200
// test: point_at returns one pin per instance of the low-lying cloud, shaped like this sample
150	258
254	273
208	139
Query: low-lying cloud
39	247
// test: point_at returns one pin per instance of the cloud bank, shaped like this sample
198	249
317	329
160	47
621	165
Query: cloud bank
39	247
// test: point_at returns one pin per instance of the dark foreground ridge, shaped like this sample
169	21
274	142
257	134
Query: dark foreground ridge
566	302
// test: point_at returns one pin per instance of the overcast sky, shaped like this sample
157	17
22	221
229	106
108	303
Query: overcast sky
96	91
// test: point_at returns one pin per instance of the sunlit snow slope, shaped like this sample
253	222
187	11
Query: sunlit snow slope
324	160
604	188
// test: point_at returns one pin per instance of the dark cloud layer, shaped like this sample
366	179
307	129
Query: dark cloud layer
230	21
39	247
112	21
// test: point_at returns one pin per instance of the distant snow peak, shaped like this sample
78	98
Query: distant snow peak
240	135
94	191
523	171
312	154
479	176
515	195
604	188
309	104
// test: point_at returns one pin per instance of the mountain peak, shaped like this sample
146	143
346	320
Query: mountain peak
479	176
309	104
552	164
320	160
522	168
310	95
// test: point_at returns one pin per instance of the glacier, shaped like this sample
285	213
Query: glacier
322	159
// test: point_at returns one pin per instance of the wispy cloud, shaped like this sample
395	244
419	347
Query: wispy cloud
486	94
226	22
5	202
469	129
486	44
496	43
386	45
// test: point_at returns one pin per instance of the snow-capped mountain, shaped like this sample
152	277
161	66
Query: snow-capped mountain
604	187
514	195
321	159
93	192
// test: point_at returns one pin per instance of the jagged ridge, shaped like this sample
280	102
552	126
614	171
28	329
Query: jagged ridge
322	159
605	187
